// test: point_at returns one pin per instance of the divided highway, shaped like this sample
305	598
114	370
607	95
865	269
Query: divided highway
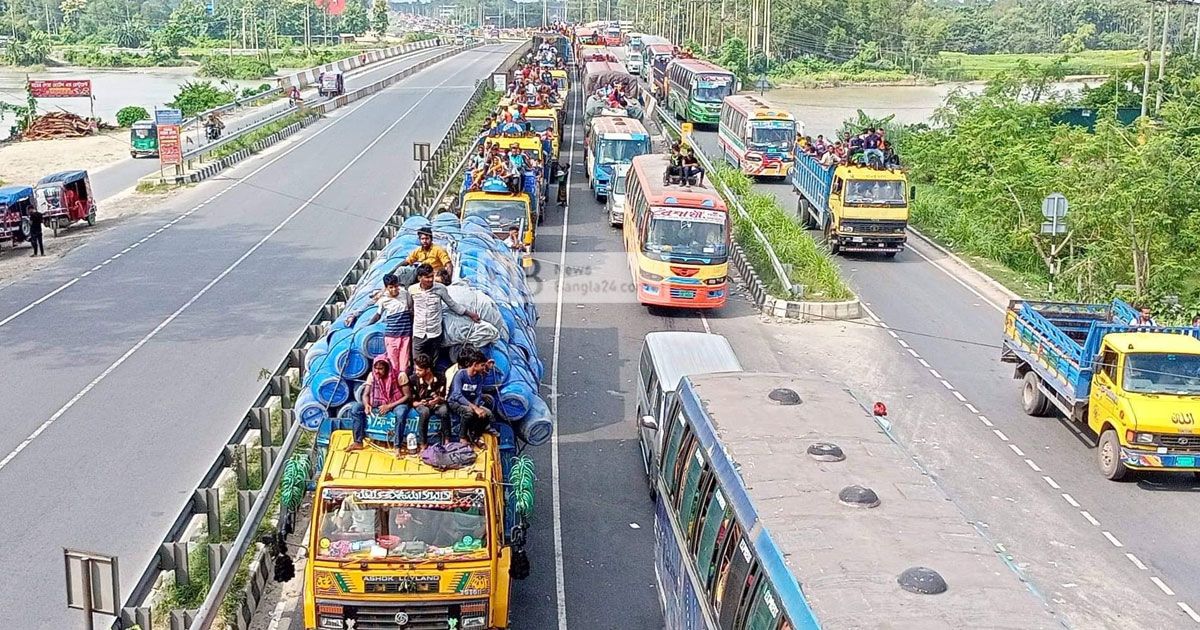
127	365
125	174
1110	553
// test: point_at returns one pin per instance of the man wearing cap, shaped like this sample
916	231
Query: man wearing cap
428	253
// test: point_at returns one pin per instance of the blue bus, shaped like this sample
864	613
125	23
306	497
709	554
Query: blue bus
782	503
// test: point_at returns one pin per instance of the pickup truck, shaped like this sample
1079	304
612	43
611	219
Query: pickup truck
859	208
1136	387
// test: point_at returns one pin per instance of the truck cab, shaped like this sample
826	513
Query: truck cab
1137	388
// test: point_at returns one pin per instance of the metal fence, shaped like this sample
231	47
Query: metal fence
226	557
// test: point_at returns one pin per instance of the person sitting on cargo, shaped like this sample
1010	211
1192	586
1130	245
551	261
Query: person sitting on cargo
1143	318
513	241
388	395
428	253
466	398
429	400
692	170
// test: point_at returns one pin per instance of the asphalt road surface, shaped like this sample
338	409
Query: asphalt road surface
125	174
1111	554
128	364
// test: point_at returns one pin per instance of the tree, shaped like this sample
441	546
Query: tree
379	18
354	17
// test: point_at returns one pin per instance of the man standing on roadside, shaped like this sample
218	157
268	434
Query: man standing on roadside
429	301
35	232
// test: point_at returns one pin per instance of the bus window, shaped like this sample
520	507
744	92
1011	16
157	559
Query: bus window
713	529
689	501
764	611
720	586
671	453
739	577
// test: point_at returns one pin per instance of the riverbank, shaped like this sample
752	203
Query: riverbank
27	161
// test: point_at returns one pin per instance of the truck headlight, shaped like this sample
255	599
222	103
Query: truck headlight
1134	437
848	228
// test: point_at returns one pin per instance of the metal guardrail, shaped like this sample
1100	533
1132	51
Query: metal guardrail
666	118
224	558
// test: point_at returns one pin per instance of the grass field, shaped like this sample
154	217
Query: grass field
961	66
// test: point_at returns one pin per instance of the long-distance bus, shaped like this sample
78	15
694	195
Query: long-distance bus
756	137
696	88
676	238
783	504
612	140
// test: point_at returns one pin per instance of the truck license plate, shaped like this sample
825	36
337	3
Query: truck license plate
1185	462
856	239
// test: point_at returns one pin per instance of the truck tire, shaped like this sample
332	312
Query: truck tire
806	220
831	239
1033	400
1108	455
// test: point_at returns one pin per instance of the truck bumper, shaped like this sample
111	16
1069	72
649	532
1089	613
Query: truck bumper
870	244
1152	460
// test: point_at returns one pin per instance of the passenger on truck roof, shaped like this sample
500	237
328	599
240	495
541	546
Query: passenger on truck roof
429	400
388	395
466	398
394	306
1143	318
430	299
428	252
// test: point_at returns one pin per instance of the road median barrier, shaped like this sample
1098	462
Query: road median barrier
247	474
199	164
754	253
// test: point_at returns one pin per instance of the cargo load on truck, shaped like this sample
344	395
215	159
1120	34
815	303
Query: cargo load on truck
1136	385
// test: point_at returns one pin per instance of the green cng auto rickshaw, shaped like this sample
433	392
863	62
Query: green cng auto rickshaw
143	139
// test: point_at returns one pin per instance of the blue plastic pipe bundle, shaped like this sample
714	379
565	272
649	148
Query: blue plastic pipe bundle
338	363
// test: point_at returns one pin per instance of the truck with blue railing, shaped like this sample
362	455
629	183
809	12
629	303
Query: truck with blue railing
1134	384
858	208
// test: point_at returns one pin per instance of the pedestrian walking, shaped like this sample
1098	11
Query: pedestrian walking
563	170
35	232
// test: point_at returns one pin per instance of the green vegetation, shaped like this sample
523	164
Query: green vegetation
967	67
198	96
94	57
247	141
236	67
810	266
126	116
1133	190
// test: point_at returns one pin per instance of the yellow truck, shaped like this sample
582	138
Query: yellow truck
396	543
859	208
1136	387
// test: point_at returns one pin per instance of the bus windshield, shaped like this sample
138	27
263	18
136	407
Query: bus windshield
621	151
1155	373
541	125
687	232
772	134
501	212
712	89
875	193
449	524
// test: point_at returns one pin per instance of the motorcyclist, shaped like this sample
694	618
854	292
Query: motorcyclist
294	95
213	125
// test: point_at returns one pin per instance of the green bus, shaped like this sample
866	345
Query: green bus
695	89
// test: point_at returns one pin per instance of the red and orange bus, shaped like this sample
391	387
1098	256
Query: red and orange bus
676	239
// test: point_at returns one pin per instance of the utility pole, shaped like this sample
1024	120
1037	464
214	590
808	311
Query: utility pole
1196	34
1146	57
1162	58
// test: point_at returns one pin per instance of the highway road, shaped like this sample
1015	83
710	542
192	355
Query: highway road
125	174
128	364
1109	553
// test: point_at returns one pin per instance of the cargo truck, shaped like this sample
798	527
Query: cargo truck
1136	387
858	208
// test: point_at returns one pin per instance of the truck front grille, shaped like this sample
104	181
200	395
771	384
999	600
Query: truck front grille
1180	442
873	227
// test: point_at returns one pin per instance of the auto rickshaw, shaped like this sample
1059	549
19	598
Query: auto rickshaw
65	198
332	84
143	139
15	204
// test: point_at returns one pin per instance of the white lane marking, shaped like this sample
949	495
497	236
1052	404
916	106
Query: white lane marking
704	321
1000	434
560	589
1032	465
1136	562
985	421
958	280
1070	499
1188	609
935	373
923	362
913	353
893	334
1017	449
170	318
959	396
903	343
1162	587
947	385
200	205
1051	482
972	408
1091	519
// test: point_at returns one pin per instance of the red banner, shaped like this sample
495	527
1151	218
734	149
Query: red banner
170	151
61	88
333	7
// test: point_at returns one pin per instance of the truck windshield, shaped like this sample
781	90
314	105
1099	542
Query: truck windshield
1154	373
681	232
775	134
407	525
541	125
619	186
875	193
498	212
712	89
621	151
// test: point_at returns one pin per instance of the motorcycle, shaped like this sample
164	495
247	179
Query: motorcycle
212	132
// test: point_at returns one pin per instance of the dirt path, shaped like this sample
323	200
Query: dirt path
25	162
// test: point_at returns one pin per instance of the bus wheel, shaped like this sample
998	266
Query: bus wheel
1108	455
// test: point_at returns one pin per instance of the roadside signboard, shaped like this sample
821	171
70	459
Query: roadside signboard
168	117
1054	208
500	82
61	88
170	150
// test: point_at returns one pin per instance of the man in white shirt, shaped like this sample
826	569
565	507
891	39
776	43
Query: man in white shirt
513	242
429	299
